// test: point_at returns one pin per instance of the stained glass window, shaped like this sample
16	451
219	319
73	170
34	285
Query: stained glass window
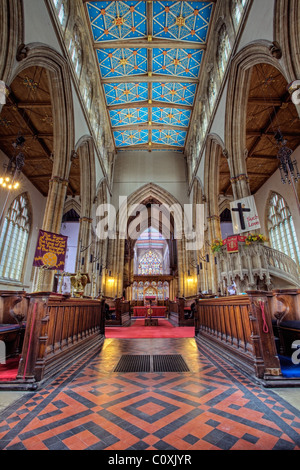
75	49
237	7
281	228
224	50
61	8
150	264
14	239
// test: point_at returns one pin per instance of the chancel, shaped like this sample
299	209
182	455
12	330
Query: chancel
149	226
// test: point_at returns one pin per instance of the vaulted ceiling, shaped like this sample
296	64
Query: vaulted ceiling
149	55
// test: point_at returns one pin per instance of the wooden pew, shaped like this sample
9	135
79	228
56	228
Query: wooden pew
285	310
13	315
59	330
117	312
239	328
182	312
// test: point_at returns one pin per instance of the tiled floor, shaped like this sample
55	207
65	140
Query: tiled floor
212	407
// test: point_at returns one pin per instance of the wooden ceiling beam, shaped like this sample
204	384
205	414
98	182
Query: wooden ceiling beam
144	43
261	101
36	105
262	157
4	137
150	147
149	79
260	133
142	127
284	99
146	104
27	122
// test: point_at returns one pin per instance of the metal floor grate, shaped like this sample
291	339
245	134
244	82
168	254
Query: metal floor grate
133	364
157	363
169	363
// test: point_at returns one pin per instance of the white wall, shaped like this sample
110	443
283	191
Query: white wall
260	23
133	170
38	25
285	190
38	203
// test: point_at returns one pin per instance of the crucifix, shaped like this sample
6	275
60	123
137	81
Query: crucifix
241	209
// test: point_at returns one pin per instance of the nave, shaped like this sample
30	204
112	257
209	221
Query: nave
89	406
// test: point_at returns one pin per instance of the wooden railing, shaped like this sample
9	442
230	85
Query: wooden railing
255	264
119	312
240	328
59	329
180	313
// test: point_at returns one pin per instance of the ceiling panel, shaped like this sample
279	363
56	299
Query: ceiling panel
150	56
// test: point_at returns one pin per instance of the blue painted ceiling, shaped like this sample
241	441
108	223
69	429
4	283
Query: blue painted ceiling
150	56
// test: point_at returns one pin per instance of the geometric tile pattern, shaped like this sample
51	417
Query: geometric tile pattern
117	20
171	116
212	407
178	93
124	117
169	70
177	62
119	93
131	137
122	62
169	137
185	21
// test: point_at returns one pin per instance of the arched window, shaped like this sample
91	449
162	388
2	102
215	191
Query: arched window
75	49
14	239
211	90
237	9
61	8
281	227
150	264
224	50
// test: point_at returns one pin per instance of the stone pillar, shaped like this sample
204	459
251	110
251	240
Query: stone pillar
84	241
52	223
214	229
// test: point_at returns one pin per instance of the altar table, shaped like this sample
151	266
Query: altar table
156	311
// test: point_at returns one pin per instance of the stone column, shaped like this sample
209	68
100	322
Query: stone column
84	240
52	223
214	229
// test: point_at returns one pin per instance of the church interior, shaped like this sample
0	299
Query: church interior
149	225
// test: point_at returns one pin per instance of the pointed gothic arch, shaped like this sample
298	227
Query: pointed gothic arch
258	52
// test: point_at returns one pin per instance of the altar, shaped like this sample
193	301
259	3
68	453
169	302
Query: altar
156	311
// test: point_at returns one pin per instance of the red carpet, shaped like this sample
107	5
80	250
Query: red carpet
9	370
137	330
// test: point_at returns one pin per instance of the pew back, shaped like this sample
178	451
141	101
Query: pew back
59	330
240	328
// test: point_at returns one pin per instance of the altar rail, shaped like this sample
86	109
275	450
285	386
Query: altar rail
59	330
239	328
117	312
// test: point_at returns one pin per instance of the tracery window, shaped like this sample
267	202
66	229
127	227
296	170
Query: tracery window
150	264
75	49
61	8
224	50
281	228
14	239
212	90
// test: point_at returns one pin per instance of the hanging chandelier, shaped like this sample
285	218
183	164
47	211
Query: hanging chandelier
288	167
10	179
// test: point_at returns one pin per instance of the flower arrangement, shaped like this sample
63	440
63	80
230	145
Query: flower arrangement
217	245
255	239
